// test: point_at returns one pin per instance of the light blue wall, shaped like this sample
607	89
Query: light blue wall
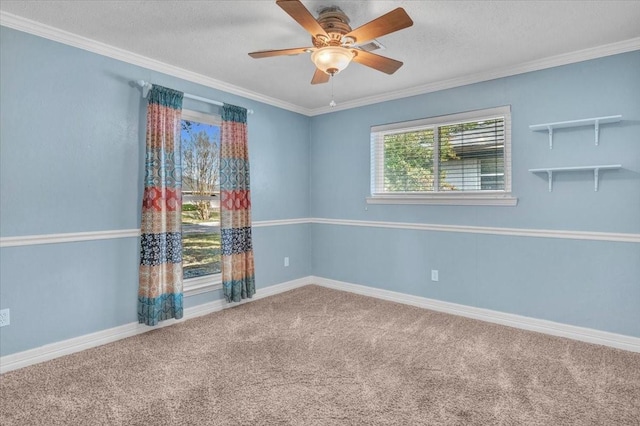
72	140
607	86
585	283
71	135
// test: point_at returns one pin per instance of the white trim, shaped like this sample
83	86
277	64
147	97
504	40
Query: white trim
70	237
77	344
51	33
203	284
92	340
583	334
540	64
55	34
457	199
201	117
28	240
515	232
445	120
280	222
464	198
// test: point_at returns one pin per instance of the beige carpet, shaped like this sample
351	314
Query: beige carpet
315	356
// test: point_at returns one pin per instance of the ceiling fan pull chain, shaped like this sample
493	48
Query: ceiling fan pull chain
333	102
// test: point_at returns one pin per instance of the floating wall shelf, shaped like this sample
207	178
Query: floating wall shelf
596	122
596	171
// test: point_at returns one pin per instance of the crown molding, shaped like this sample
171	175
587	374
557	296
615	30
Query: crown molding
65	37
51	33
537	65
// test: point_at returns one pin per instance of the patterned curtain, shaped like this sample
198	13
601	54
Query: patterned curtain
238	280
160	286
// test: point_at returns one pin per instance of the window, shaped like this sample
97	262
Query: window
200	141
455	159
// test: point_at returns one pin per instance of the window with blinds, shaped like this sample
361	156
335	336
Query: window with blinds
449	156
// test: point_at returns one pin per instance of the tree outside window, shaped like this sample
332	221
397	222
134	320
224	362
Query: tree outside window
200	197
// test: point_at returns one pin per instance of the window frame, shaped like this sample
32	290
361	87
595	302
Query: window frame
481	197
212	282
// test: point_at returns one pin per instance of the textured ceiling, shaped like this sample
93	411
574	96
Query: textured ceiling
449	39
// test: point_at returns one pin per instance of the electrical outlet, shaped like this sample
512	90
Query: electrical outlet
4	317
286	261
434	275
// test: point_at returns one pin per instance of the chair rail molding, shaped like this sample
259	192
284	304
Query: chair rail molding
70	237
28	240
515	232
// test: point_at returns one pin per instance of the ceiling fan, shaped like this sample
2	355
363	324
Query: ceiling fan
335	44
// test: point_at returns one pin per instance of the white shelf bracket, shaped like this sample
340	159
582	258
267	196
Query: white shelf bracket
594	169
595	122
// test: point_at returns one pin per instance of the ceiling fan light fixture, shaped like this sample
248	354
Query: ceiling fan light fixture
336	44
332	59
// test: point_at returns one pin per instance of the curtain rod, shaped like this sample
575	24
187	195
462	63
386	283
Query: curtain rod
146	86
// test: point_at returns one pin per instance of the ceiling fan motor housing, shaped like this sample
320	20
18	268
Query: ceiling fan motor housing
336	23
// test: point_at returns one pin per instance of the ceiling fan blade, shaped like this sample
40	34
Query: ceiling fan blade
302	16
320	77
380	63
393	21
281	52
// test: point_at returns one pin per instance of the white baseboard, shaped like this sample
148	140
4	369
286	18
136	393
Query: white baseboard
76	344
99	338
583	334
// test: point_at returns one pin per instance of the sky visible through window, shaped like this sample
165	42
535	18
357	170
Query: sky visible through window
195	127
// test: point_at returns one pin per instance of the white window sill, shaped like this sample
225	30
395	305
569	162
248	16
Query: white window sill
199	285
457	199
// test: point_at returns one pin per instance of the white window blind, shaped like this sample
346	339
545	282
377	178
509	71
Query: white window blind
467	153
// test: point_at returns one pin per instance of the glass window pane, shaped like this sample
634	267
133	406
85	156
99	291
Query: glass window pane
453	154
408	161
492	173
200	199
492	183
469	152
